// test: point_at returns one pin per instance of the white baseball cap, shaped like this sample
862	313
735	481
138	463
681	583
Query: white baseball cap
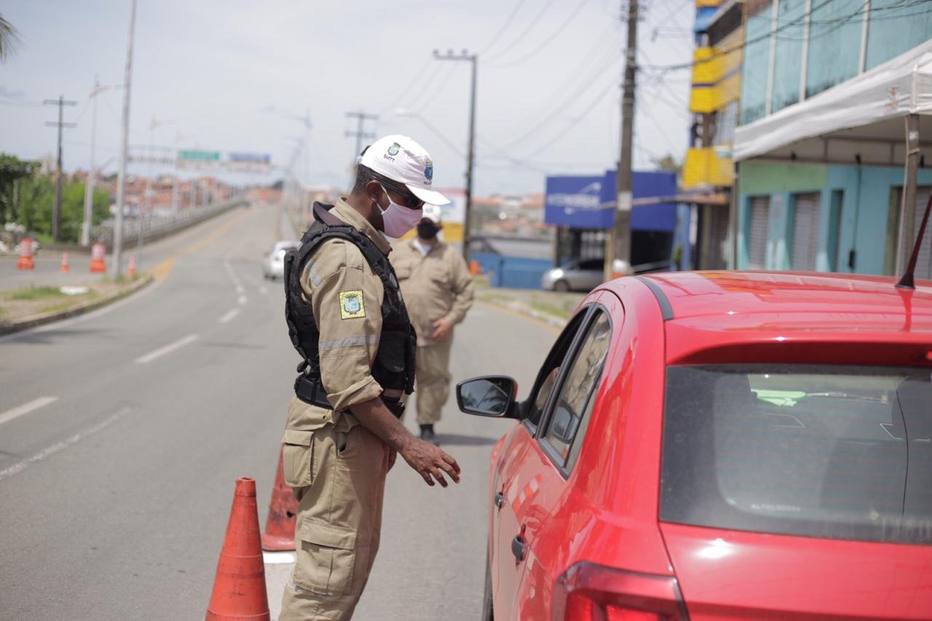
403	160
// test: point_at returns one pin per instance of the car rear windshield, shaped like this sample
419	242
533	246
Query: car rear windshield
821	451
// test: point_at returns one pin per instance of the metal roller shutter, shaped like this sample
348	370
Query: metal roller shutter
805	243
758	231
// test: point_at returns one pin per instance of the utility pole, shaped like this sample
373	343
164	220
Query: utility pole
618	243
92	169
124	148
473	59
359	134
59	173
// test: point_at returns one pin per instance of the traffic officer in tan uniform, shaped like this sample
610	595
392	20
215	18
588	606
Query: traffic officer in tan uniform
437	289
348	322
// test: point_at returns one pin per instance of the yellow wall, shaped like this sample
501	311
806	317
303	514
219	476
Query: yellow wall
707	167
716	74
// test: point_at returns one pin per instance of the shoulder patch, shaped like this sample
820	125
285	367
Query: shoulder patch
352	305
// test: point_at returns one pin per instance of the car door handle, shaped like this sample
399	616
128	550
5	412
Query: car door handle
518	548
499	499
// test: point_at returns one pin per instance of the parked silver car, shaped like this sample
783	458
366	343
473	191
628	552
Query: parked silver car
273	266
575	275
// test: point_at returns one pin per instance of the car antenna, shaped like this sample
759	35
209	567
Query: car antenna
906	282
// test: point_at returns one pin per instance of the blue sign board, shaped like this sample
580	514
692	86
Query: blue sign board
576	202
588	202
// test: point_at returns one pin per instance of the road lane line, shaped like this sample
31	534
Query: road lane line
229	316
158	353
60	446
26	408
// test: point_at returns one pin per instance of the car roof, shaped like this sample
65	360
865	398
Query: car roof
694	294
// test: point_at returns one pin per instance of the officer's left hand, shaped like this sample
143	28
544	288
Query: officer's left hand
442	330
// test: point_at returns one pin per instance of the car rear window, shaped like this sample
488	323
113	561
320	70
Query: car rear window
821	451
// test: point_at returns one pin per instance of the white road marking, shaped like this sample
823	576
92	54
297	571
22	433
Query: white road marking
263	290
26	408
229	316
242	299
278	558
60	446
158	353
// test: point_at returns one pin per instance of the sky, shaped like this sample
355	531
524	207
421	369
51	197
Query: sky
240	75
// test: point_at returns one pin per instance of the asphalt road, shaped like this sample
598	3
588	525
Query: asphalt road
122	432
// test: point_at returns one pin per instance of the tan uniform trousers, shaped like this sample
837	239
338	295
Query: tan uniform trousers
339	481
433	381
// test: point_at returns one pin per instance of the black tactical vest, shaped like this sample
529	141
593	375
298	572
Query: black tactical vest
394	364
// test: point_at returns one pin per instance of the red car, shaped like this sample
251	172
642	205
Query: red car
719	446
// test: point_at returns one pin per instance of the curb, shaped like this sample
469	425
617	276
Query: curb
42	319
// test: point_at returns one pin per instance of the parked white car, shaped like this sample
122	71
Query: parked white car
273	266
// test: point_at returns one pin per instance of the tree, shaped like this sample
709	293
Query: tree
12	170
668	162
8	38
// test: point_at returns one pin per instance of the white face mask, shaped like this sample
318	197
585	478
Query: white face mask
397	219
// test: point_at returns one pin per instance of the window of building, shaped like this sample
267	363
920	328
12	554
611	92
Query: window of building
577	390
804	249
834	43
756	69
758	231
725	122
789	53
896	27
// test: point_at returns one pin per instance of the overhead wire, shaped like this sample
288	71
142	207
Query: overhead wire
501	31
546	40
524	32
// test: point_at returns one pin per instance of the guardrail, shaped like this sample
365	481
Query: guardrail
149	229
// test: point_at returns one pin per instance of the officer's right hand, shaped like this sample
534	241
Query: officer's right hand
430	461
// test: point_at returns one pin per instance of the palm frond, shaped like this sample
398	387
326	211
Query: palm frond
9	37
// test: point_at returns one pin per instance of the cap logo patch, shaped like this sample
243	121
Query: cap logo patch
394	149
429	172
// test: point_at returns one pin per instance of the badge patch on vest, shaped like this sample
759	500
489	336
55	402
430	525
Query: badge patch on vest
351	305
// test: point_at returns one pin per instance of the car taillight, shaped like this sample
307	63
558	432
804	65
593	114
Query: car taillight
590	592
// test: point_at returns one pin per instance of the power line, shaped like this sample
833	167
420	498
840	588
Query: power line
504	27
524	33
547	40
404	91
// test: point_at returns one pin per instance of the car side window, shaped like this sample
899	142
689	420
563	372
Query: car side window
550	372
576	393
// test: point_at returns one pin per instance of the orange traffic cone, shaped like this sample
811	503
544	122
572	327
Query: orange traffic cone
25	261
283	511
131	268
97	258
64	262
474	268
239	588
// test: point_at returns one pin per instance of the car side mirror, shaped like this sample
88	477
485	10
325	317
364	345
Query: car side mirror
492	396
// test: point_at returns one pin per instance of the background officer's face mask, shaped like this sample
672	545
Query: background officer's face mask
397	219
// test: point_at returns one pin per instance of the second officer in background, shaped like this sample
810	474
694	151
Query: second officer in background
437	289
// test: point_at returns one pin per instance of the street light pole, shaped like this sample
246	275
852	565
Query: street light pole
471	149
92	171
124	148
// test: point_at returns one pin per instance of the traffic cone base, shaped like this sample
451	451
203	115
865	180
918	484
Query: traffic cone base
25	263
283	512
131	268
64	263
239	588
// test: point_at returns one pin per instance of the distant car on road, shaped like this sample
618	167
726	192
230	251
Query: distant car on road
273	266
719	445
574	275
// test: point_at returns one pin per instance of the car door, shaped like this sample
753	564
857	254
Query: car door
538	476
505	571
551	518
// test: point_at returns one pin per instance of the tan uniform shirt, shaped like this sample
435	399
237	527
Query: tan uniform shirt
434	286
346	298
